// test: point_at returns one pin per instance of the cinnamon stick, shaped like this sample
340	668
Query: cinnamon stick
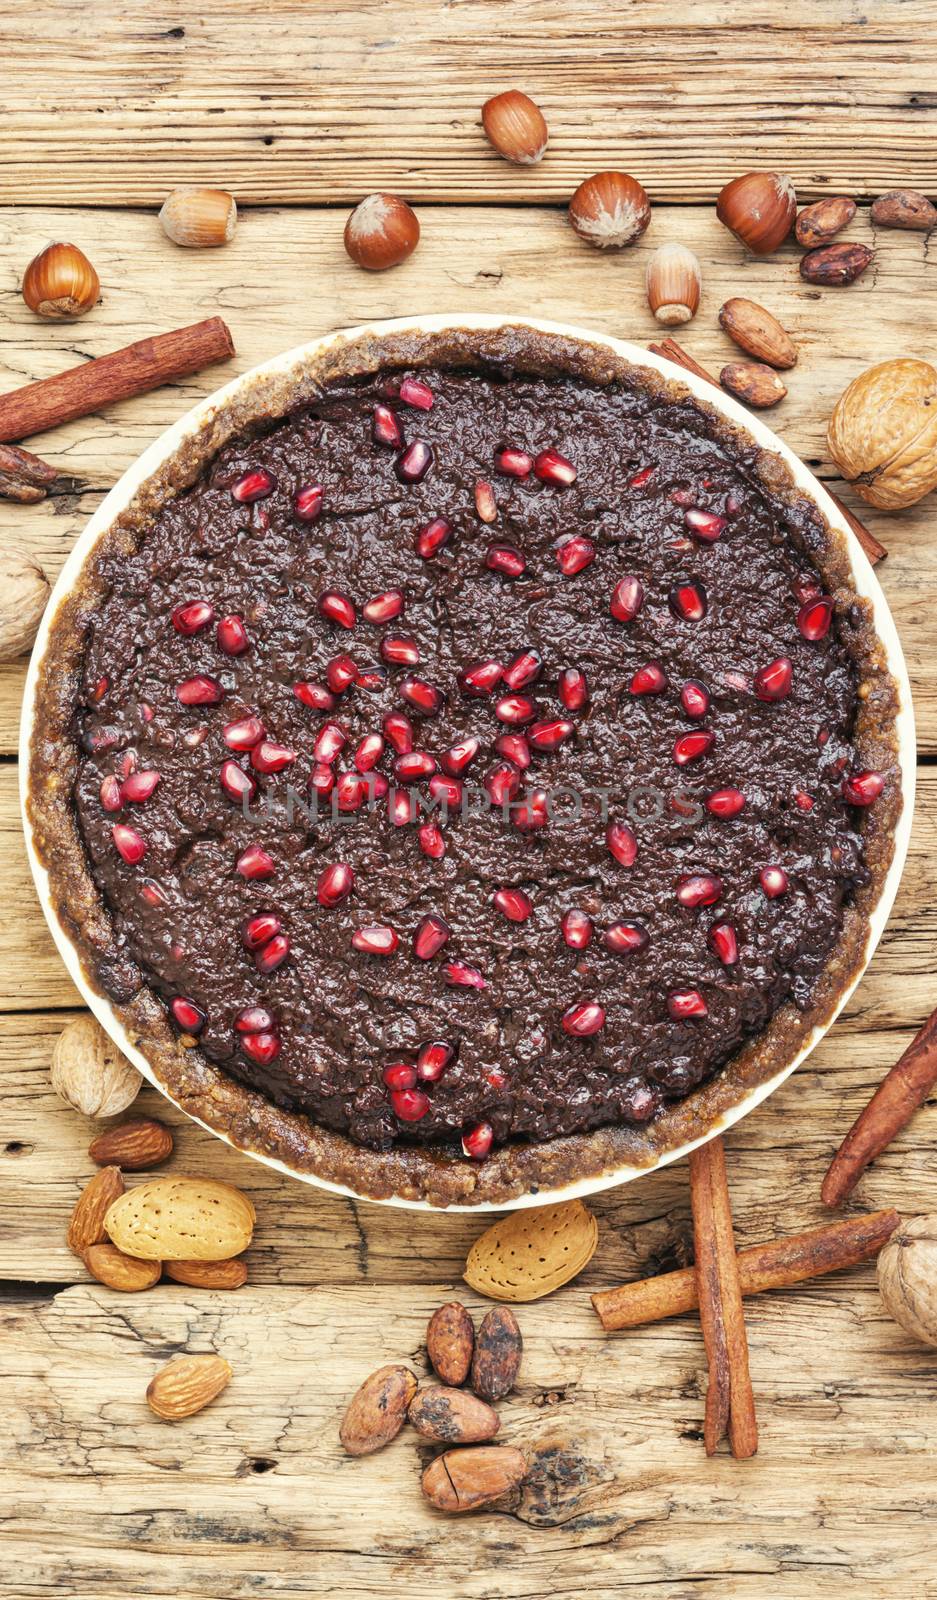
119	376
876	552
774	1265
672	351
893	1104
730	1404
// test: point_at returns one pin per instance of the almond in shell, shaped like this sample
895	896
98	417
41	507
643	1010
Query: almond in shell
135	1145
528	1254
450	1341
757	332
207	1274
87	1225
497	1358
181	1219
187	1384
452	1416
127	1273
464	1480
378	1410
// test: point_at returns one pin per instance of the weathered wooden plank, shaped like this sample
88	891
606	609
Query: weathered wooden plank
288	102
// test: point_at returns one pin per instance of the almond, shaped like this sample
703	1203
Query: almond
497	1358
463	1480
111	1267
528	1254
450	1340
187	1384
904	208
182	1219
835	264
133	1145
377	1411
753	382
87	1221
757	332
229	1274
452	1416
819	223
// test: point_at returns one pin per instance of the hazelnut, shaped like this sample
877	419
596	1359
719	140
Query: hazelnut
381	232
24	592
60	283
883	433
907	1277
515	126
673	284
199	219
759	208
89	1072
610	210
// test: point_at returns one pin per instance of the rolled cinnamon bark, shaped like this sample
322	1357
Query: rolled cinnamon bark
730	1403
893	1104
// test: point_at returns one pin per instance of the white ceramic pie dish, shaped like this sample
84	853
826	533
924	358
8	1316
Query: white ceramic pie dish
863	579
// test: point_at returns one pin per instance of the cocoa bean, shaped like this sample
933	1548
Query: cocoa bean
377	1411
450	1341
835	264
463	1480
757	332
452	1416
904	208
817	224
497	1358
753	382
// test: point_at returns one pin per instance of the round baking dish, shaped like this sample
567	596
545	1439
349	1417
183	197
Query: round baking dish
288	370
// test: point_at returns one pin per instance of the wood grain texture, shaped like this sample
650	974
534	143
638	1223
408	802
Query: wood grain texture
294	103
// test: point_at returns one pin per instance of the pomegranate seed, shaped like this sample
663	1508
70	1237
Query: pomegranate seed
430	936
237	784
686	1003
622	843
378	785
695	698
351	790
232	636
688	600
431	538
111	797
412	465
814	618
584	1019
243	734
375	940
431	840
263	1047
574	555
139	786
369	752
399	1075
336	607
417	394
699	889
576	929
481	678
447	792
774	681
329	741
485	503
410	1105
513	904
477	1142
255	1019
514	463
641	478
401	808
187	1015
462	976
627	599
315	696
414	766
254	862
572	688
307	502
722	940
515	709
650	679
322	780
506	558
199	691
525	668
705	524
433	1059
385	428
726	802
130	844
371	677
273	954
626	937
514	747
340	673
533	812
257	930
399	650
774	881
551	467
501	784
268	757
193	616
100	690
335	884
422	696
383	607
549	735
457	758
803	801
128	763
863	788
253	486
690	746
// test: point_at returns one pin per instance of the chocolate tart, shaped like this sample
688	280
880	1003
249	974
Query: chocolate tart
466	766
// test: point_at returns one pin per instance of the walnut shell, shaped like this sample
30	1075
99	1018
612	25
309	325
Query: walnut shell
907	1277
89	1072
883	433
24	591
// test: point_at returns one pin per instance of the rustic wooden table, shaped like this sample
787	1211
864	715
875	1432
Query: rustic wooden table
301	109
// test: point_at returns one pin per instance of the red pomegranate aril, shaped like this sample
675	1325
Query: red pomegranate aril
774	881
514	463
402	807
413	392
695	698
501	784
863	788
432	1060
130	844
431	840
458	756
431	934
774	682
803	801
315	696
400	1075
725	802
139	786
514	747
641	478
506	559
322	780
193	616
515	709
574	555
649	679
399	650
340	673
699	889
533	812
584	1019
232	636
253	486
477	1141
385	428
549	735
723	941
351	790
572	688
446	791
273	954
413	463
111	797
422	696
243	734
622	843
262	1047
335	884
375	940
688	601
627	599
410	1105
336	607
431	538
329	741
377	784
461	976
577	929
705	524
369	752
254	862
257	930
686	1003
513	904
187	1015
255	1019
481	678
307	502
525	668
551	467
485	503
691	746
383	607
199	691
237	784
814	618
626	937
100	690
414	766
269	757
